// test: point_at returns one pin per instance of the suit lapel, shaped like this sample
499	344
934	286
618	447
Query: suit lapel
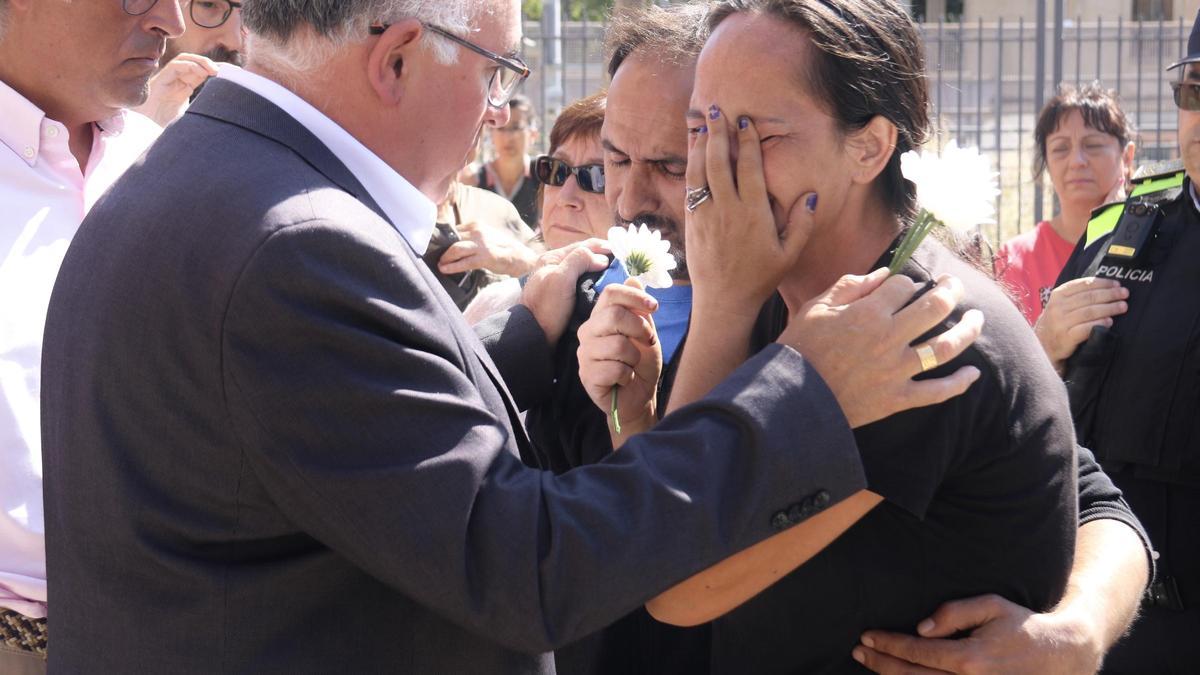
473	349
234	104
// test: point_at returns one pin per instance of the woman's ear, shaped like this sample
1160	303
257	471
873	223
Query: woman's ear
392	59
871	148
1127	160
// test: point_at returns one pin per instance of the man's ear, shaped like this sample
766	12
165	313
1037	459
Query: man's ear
871	148
393	58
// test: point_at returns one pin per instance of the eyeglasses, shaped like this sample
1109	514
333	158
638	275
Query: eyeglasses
555	172
204	13
1187	95
511	72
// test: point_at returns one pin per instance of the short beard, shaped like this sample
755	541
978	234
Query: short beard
670	230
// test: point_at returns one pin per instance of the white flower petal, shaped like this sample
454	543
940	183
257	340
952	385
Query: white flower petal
640	239
958	188
658	277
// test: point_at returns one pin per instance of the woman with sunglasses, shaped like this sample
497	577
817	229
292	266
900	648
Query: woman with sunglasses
571	176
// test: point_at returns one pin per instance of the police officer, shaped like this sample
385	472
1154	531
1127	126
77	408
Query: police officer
1123	327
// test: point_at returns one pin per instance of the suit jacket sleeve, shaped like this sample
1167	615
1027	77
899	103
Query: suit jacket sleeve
519	348
360	416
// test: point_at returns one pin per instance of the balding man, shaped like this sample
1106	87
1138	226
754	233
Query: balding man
274	445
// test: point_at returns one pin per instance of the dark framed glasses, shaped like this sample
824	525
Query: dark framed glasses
204	13
1187	95
511	72
212	13
555	172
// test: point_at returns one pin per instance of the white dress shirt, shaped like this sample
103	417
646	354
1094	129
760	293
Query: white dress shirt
43	197
410	212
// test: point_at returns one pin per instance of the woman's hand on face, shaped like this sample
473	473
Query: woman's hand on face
618	347
736	254
1073	310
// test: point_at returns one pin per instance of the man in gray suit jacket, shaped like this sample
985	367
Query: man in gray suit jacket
273	445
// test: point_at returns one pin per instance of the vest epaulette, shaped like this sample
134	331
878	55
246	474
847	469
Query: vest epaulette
1156	189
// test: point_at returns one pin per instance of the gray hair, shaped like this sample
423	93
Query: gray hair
274	25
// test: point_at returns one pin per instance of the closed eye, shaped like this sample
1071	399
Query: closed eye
673	169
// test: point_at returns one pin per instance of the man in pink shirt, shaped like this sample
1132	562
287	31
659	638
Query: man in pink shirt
67	71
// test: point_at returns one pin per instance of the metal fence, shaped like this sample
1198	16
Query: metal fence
988	80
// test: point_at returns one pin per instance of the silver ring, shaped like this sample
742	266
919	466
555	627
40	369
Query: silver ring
696	197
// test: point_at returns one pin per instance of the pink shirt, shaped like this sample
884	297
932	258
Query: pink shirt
1030	263
43	198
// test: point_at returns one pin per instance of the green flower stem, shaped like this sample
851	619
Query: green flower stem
912	239
616	419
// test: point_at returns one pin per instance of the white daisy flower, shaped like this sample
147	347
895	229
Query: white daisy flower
644	254
956	190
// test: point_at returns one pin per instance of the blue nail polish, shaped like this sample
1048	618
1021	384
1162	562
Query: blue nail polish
811	203
714	113
703	130
743	123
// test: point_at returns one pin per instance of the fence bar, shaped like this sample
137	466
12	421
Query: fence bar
958	116
1021	119
941	59
1120	48
1039	94
1139	44
1079	51
979	87
1159	98
583	74
999	119
1099	55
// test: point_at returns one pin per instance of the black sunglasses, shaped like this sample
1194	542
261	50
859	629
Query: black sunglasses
555	172
1187	95
204	13
511	73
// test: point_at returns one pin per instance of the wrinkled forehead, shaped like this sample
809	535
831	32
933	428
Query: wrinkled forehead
647	102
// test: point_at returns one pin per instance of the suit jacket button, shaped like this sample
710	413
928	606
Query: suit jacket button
797	513
821	499
780	521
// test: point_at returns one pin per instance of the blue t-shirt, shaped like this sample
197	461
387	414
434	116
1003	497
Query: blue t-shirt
674	308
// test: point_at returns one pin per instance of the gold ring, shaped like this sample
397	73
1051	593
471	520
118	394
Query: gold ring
928	358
